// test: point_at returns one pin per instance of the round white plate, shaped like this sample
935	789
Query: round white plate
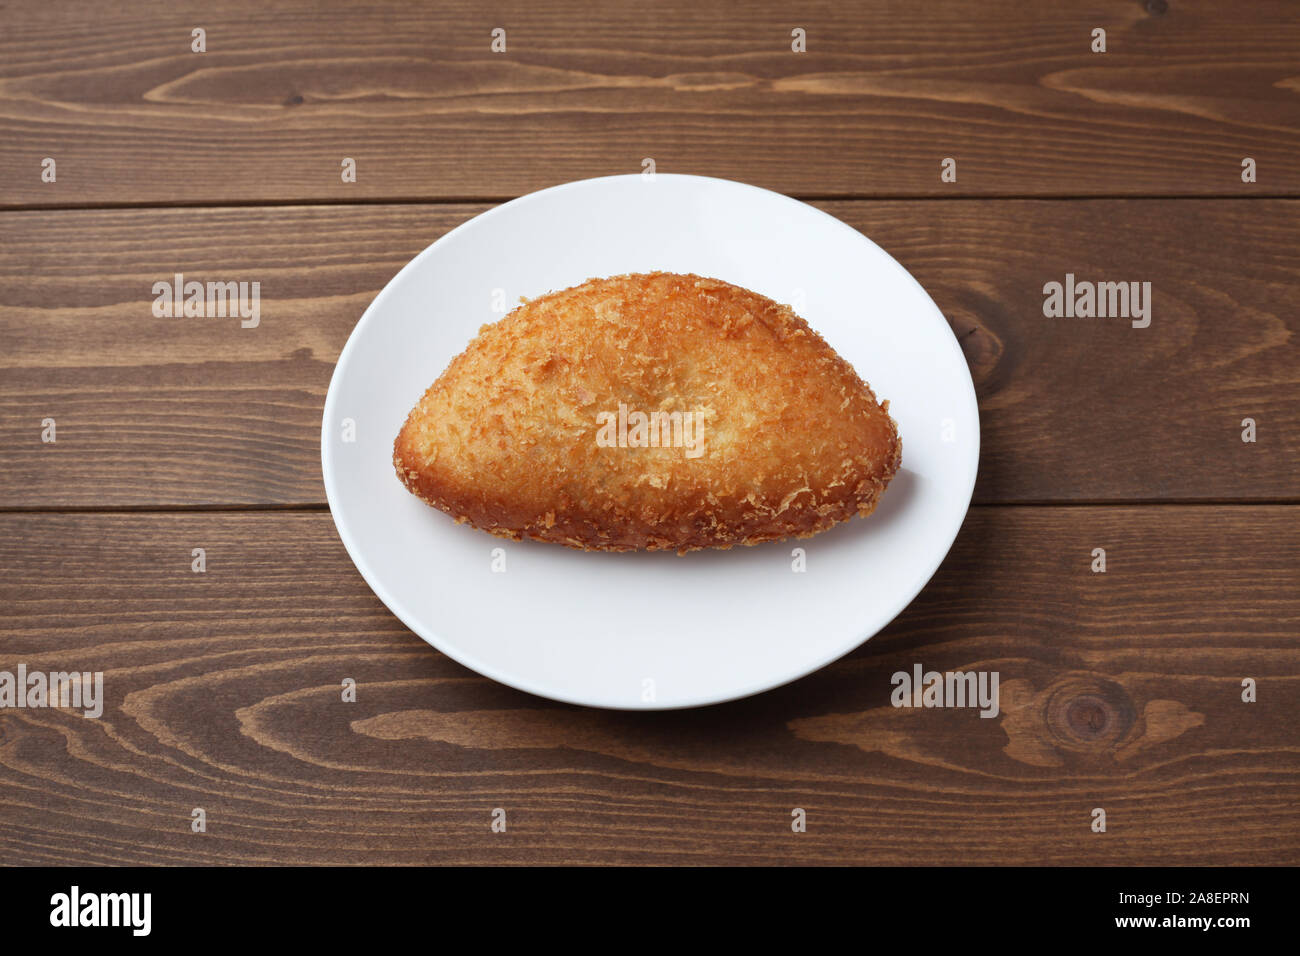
650	630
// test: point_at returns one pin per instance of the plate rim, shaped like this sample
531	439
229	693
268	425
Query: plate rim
444	646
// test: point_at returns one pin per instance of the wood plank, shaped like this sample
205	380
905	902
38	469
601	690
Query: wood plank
1120	690
202	412
153	411
414	93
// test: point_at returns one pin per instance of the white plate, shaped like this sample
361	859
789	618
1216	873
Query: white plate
650	630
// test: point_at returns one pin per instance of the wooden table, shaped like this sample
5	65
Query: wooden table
1121	690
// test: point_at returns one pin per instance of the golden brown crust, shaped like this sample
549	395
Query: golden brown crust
506	438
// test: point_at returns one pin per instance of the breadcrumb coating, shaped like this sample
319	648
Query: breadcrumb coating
508	438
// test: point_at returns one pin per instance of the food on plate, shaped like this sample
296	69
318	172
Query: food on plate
650	411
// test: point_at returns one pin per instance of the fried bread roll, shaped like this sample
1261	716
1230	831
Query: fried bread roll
654	411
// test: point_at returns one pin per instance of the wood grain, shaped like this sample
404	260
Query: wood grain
413	93
1120	690
200	412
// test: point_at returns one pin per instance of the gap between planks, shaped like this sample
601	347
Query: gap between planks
323	508
496	200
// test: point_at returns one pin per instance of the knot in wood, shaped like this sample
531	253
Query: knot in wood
1088	714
